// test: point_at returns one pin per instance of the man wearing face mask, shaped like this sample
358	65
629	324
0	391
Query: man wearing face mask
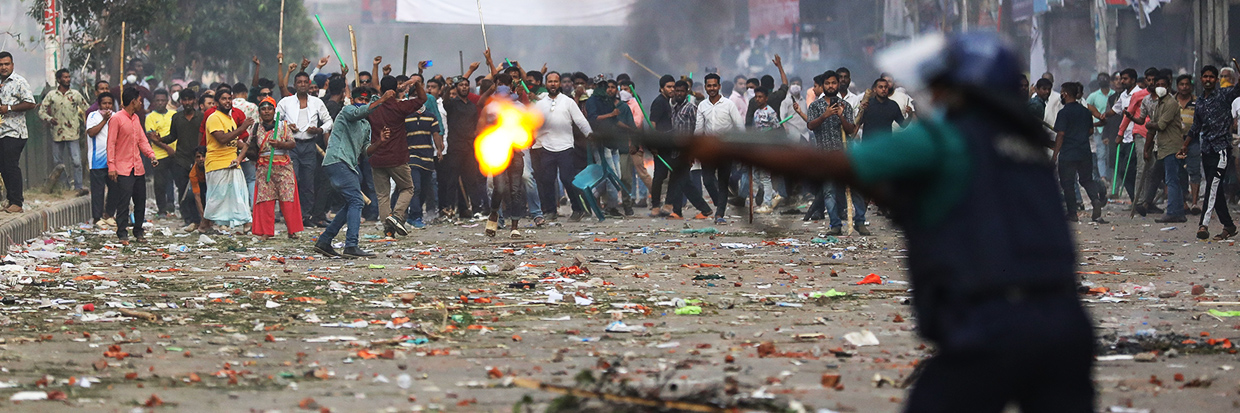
1212	126
1164	122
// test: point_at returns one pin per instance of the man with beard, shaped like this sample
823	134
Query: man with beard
1212	126
307	117
715	116
553	144
464	181
830	118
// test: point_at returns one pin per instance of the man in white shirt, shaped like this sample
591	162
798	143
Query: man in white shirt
307	117
739	95
553	148
715	116
1128	84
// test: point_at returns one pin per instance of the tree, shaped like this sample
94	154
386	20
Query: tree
184	37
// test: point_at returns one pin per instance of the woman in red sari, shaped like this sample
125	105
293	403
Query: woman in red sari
275	182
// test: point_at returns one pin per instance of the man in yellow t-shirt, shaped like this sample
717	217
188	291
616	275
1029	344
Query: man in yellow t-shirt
227	201
158	127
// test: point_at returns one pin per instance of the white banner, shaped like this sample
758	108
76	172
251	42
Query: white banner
517	12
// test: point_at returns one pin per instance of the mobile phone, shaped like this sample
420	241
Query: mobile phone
430	63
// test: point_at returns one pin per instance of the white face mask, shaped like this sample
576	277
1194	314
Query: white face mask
794	90
625	96
131	79
749	94
1160	91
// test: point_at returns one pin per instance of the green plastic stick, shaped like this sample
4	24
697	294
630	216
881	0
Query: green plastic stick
648	124
787	119
329	40
275	136
522	81
1115	173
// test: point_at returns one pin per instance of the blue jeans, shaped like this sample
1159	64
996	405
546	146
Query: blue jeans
423	189
1175	188
838	205
531	187
348	184
251	176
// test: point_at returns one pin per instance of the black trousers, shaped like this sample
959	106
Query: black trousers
164	200
1037	353
659	181
180	177
682	185
1218	167
306	163
552	165
130	188
10	169
102	194
723	180
1079	171
465	186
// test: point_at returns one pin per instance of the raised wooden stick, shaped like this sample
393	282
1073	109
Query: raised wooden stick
631	59
120	79
280	45
353	43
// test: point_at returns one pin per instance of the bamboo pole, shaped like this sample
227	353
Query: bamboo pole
404	61
631	59
280	45
120	77
353	43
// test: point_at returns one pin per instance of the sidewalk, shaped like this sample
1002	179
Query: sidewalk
43	212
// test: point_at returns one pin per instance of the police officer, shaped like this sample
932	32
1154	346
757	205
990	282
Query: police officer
991	260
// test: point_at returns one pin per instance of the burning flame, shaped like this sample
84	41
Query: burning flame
513	130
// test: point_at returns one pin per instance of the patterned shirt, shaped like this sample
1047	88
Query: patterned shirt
684	117
765	118
1212	120
830	134
66	108
419	128
13	91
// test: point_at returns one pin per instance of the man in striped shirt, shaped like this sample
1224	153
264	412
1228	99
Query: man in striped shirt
425	146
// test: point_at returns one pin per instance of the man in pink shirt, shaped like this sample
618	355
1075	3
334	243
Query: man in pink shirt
126	143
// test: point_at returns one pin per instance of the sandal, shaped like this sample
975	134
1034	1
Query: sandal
492	226
1226	234
1203	232
540	222
515	234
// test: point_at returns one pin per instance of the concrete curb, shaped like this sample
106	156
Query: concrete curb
34	224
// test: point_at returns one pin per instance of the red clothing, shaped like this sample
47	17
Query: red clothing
265	216
126	142
1134	107
237	115
391	116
